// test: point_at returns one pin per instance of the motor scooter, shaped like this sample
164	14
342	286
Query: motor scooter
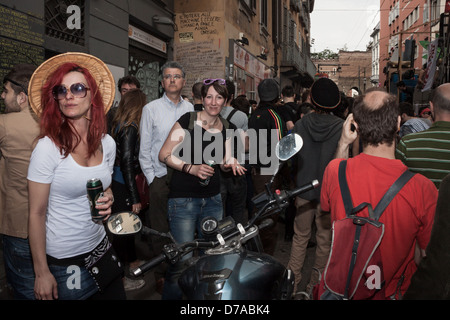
232	264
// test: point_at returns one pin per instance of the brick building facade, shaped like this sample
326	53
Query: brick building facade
351	69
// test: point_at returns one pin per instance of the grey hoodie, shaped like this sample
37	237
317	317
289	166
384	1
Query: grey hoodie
320	134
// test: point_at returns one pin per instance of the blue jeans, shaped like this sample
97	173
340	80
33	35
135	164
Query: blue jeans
185	215
19	267
74	282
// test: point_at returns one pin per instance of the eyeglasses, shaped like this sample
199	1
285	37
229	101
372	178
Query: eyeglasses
174	76
78	90
207	82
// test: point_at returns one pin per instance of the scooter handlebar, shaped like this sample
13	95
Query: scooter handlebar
307	187
172	253
147	266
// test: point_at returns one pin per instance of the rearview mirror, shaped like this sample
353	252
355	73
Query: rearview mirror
288	146
124	223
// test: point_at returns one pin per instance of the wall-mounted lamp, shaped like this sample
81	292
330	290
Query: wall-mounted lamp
162	20
243	40
262	56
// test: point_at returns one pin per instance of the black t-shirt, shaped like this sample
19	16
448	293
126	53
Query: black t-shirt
288	112
212	147
294	110
265	121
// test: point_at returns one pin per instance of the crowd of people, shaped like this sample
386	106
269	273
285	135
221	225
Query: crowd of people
58	131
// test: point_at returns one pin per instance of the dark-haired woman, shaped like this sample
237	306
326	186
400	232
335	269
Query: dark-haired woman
189	199
125	131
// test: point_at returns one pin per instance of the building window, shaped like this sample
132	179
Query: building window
264	17
276	22
249	7
435	11
426	15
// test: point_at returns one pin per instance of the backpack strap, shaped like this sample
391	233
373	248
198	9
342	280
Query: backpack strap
346	197
384	202
225	122
390	194
192	119
345	192
230	115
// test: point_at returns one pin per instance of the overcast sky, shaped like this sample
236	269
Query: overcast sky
336	24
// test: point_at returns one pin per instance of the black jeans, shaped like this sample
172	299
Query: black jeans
156	217
123	244
234	196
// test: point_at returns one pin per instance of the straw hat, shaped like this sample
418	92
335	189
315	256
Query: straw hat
96	67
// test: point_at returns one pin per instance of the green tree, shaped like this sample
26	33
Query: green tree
325	54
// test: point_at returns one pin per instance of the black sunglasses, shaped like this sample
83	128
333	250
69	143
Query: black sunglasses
78	90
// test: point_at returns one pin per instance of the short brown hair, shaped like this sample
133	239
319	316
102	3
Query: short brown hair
19	77
221	89
128	80
376	114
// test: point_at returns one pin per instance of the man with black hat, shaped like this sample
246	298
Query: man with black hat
265	123
320	131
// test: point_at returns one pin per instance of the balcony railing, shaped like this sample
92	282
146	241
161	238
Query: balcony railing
292	56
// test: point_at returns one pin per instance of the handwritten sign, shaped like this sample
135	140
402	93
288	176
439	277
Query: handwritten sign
205	23
198	46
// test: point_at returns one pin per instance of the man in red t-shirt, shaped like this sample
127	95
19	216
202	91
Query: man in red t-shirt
409	218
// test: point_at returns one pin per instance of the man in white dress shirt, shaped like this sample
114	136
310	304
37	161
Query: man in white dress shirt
158	118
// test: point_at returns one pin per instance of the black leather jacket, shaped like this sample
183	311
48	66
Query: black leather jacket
127	158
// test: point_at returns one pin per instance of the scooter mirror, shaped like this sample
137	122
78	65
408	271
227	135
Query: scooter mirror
124	223
288	146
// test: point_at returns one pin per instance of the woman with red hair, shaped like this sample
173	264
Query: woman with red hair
72	256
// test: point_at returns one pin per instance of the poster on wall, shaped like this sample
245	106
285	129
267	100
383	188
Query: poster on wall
146	68
117	72
248	62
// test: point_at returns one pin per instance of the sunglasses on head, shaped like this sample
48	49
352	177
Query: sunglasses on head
207	82
78	90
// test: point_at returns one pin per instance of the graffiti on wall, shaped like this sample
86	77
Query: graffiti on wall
148	75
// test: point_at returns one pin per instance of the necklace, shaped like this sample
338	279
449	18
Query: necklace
205	123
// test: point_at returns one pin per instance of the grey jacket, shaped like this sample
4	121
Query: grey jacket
320	134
